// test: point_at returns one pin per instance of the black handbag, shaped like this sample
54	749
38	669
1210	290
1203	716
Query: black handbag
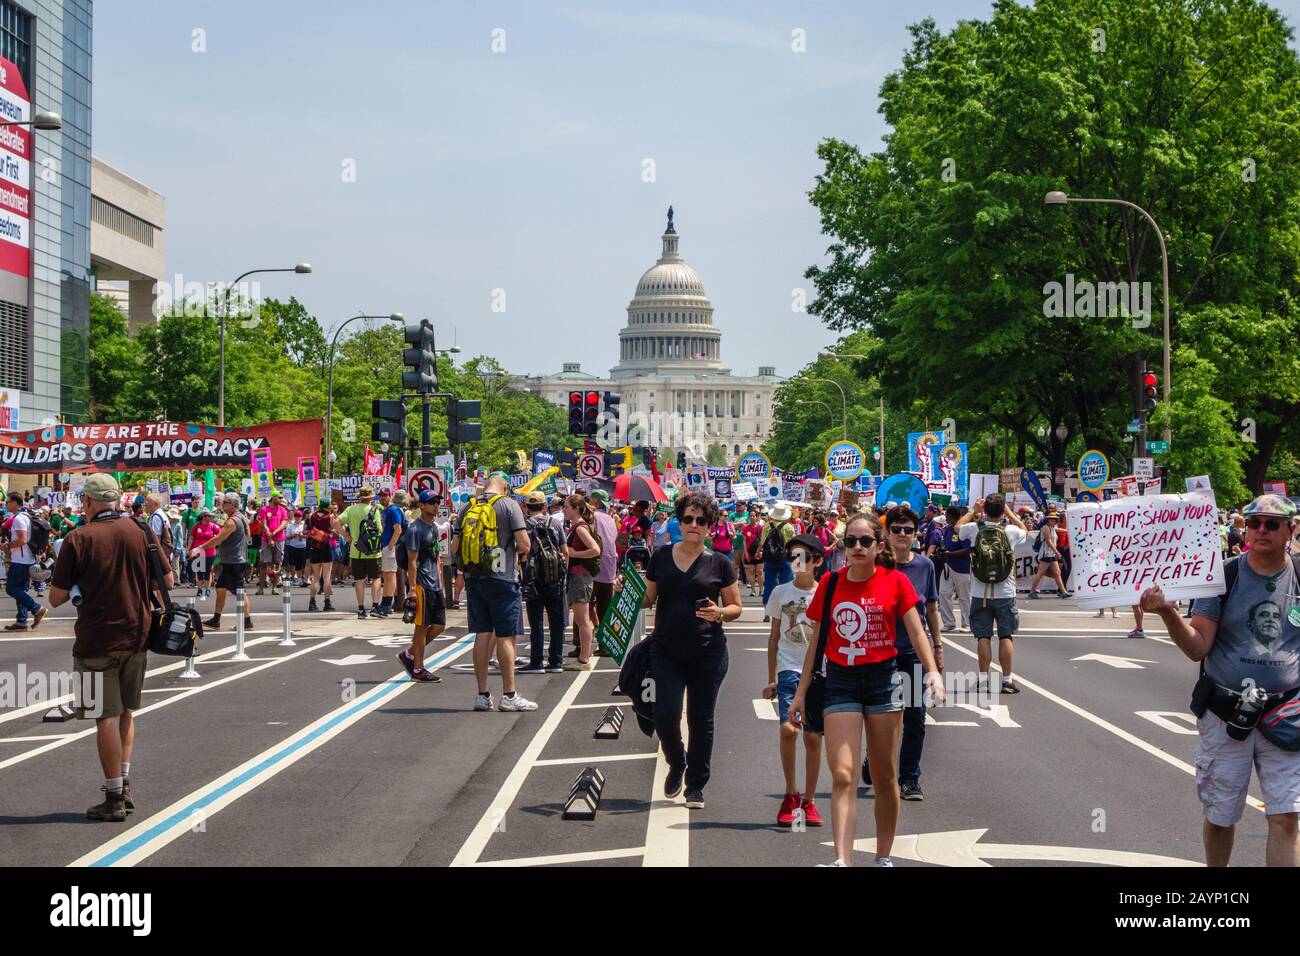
815	700
172	629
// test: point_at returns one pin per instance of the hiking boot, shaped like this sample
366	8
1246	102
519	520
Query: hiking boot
112	809
126	795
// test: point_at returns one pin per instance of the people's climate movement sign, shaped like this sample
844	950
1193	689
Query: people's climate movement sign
153	446
845	460
1125	545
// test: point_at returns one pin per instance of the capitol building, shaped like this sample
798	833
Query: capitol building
676	393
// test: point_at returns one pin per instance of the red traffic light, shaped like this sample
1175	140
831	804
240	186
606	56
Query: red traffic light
1150	380
593	398
575	399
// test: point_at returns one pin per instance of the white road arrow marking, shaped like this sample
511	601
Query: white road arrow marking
962	848
1121	663
351	659
998	713
392	640
765	709
931	722
1168	719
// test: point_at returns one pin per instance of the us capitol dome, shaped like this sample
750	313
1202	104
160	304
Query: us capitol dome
670	374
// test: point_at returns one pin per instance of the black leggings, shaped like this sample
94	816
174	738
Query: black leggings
701	678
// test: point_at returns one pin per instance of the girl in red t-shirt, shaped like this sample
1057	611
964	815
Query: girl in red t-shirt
862	682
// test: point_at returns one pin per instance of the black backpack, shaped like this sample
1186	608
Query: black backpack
370	532
774	543
40	535
545	562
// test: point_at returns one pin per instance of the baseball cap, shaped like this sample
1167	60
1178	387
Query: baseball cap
429	496
809	542
1272	505
365	491
535	498
601	495
102	487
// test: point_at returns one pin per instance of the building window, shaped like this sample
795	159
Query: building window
737	451
735	427
750	447
652	408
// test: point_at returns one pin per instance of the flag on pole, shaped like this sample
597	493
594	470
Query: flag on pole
373	463
397	477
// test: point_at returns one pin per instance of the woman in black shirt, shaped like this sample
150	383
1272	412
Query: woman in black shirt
693	591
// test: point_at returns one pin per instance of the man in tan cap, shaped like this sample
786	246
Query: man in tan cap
107	560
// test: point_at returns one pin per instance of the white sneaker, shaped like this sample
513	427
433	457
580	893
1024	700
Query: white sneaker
484	702
883	861
517	702
836	863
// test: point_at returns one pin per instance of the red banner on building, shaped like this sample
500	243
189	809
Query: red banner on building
153	446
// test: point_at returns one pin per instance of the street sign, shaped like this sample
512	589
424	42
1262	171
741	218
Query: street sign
1133	427
1157	447
1144	469
590	466
426	478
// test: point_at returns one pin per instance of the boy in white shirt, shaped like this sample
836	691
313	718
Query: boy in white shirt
786	647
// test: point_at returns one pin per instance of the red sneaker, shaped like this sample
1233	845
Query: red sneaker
785	816
810	815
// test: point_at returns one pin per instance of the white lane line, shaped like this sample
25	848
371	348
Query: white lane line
557	761
151	672
492	817
559	858
19	740
612	703
149	836
1104	724
764	709
170	700
668	827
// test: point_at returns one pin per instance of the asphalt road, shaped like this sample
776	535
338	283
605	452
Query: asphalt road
325	754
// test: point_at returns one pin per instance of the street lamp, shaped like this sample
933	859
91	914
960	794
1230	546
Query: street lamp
329	393
1058	198
846	355
1062	433
301	268
844	404
43	121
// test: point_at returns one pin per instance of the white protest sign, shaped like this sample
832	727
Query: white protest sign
1026	565
744	491
1125	545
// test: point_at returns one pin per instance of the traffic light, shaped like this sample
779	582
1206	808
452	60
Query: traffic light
1150	388
681	459
389	422
567	461
575	413
613	464
459	429
423	359
590	412
613	422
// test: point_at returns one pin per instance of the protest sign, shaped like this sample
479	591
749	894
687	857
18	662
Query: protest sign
1026	565
1125	545
263	475
744	491
618	624
152	446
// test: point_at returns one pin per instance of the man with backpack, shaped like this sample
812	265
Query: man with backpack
427	607
490	540
29	537
363	529
993	533
772	541
543	586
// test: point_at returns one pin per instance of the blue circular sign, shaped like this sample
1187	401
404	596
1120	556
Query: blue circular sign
1094	470
753	466
1085	496
903	488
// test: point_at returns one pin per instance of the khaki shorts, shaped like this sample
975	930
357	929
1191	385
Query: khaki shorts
1223	768
118	690
272	552
388	561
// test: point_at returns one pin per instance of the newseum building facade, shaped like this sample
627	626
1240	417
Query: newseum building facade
45	212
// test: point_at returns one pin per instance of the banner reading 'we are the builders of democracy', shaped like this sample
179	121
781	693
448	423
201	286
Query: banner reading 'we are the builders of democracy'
153	446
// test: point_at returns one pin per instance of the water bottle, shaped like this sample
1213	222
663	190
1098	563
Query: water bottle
1247	713
74	595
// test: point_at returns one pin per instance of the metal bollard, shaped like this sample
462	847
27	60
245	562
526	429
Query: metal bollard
239	654
287	639
189	673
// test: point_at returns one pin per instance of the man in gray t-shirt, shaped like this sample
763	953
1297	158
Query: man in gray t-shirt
495	606
1249	637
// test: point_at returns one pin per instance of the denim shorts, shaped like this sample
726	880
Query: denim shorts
494	606
863	689
787	682
984	611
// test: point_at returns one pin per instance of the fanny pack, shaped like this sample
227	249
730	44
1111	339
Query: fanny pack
1279	722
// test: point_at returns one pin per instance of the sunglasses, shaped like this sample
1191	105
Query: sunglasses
852	541
700	520
904	529
1272	524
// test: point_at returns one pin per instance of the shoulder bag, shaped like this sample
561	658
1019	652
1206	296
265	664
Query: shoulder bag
815	700
172	629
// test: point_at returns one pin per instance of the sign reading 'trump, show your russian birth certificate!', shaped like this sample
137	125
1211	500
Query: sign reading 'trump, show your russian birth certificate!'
1125	545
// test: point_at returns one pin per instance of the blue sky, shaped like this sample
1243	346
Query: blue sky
520	170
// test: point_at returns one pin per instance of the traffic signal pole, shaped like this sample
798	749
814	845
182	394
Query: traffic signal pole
426	450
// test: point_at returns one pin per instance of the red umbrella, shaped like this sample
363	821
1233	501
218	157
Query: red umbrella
637	488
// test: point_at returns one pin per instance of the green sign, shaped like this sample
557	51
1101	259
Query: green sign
547	487
942	501
1157	447
620	617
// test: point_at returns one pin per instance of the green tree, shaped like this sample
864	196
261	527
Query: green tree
943	248
114	361
716	455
